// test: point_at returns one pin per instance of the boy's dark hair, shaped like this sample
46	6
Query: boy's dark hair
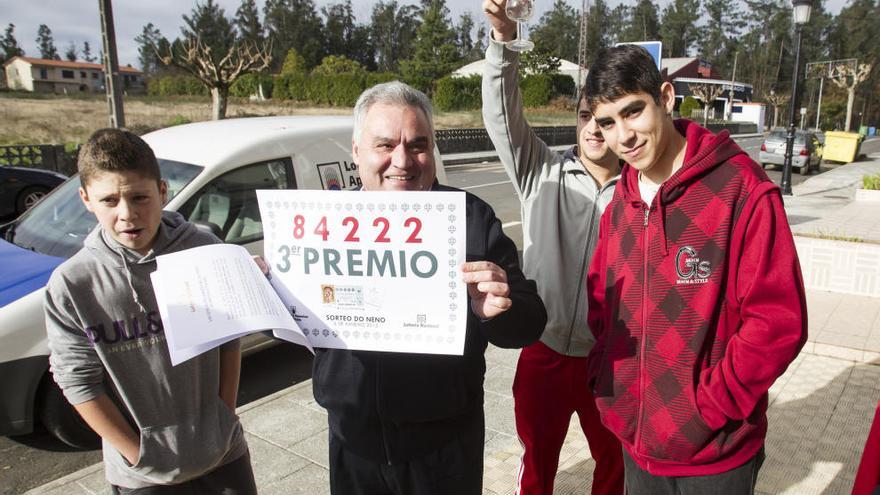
116	150
619	71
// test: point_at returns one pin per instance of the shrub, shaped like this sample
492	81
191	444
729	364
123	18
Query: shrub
871	182
176	85
338	64
536	90
249	84
458	93
688	106
177	120
563	85
290	87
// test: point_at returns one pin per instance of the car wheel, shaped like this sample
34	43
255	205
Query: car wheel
62	420
29	197
805	168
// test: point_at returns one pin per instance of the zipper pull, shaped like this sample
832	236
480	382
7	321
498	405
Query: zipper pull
647	211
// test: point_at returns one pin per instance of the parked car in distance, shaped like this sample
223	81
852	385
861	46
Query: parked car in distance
21	188
213	170
806	152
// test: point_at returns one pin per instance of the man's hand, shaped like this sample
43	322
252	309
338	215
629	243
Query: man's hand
487	287
503	29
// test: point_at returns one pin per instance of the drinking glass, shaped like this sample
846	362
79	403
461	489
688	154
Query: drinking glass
519	11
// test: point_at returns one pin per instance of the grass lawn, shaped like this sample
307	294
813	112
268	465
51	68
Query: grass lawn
50	119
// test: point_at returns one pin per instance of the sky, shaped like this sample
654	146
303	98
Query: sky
78	20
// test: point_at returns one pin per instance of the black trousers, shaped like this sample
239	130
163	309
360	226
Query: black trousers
738	481
456	468
232	478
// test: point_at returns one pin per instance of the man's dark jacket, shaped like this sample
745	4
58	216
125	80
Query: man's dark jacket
394	407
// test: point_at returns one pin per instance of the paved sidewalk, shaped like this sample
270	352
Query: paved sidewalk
820	410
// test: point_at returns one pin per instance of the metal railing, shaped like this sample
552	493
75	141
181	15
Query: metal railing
471	140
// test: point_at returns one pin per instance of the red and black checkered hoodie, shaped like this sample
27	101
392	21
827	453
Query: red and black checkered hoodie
697	304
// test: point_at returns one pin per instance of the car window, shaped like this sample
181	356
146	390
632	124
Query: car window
228	204
58	225
777	135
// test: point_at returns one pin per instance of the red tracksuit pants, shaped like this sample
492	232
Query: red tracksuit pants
547	389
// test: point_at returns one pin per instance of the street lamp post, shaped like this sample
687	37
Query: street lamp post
801	9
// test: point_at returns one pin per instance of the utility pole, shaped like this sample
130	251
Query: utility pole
582	46
819	105
732	83
111	66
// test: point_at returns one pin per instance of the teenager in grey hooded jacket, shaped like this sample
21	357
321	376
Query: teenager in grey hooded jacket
106	337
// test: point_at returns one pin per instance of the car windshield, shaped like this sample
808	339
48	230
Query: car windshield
58	225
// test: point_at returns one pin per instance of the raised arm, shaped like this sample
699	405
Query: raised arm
523	155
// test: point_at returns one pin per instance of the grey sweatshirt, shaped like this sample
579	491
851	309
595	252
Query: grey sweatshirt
106	336
561	206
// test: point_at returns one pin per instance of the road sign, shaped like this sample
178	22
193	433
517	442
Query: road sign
655	48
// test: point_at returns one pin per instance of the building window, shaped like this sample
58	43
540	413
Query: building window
67	74
44	74
94	75
82	74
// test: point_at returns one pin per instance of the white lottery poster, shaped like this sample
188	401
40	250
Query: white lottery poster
371	270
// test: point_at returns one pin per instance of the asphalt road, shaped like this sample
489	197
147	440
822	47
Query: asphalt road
31	460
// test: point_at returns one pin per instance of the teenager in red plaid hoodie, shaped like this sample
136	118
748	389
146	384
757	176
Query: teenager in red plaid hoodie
696	295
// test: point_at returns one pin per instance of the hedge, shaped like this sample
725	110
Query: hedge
536	90
176	85
458	93
563	85
247	85
336	90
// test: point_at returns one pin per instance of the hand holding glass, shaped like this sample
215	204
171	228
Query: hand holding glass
519	11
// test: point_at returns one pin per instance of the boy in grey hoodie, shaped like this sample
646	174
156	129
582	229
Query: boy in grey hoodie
164	429
563	197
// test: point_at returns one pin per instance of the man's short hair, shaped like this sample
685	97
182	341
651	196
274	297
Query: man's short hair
619	71
116	150
391	93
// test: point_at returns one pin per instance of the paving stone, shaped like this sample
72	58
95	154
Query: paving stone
283	423
271	462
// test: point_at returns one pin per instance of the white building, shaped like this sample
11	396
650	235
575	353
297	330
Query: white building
62	77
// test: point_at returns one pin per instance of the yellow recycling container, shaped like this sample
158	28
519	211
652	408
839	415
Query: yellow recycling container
841	146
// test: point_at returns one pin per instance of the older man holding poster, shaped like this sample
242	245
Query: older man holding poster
413	424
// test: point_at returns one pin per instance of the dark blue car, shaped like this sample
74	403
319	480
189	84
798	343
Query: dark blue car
21	188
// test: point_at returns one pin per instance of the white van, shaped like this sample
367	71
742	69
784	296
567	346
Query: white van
213	170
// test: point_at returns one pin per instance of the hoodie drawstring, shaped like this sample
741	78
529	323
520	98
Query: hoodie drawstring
134	293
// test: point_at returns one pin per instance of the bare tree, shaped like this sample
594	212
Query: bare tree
195	57
848	76
707	94
776	100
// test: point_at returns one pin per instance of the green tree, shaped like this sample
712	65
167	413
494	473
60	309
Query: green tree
435	52
87	52
338	64
768	45
557	32
294	24
464	39
854	33
345	37
617	23
294	63
208	22
149	42
46	44
679	27
643	25
393	32
717	39
9	45
70	52
247	21
597	30
540	61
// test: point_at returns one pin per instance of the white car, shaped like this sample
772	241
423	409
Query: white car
213	170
